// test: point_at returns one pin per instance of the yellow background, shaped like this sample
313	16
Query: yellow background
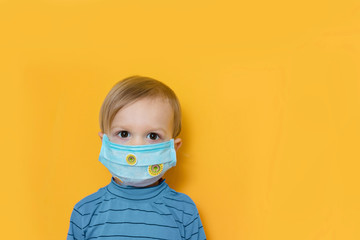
270	92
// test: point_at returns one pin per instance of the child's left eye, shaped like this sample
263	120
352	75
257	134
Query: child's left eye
153	136
123	134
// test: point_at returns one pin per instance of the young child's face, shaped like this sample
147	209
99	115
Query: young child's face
146	121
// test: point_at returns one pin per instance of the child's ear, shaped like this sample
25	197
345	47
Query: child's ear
101	135
177	143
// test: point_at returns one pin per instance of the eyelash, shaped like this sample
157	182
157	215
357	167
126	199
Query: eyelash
120	133
156	138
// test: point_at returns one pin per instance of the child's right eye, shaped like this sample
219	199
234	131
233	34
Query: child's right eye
123	134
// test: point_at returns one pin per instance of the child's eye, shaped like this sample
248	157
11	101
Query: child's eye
153	136
123	134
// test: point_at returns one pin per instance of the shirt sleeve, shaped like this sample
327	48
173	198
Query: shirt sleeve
194	230
76	230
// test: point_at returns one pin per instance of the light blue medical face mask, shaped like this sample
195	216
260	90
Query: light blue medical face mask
140	165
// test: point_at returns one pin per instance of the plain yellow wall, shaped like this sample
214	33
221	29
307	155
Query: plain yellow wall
270	92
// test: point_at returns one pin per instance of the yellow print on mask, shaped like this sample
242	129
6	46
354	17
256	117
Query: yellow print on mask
131	159
155	170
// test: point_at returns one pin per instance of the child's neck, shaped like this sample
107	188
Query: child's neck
118	181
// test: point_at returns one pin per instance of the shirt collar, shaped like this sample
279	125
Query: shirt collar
137	193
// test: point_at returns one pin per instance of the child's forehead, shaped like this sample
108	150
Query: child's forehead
148	105
148	100
146	112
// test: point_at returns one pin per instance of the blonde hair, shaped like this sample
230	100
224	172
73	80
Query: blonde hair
132	89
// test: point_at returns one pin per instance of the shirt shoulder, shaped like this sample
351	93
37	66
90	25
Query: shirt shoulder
172	194
180	202
185	213
90	202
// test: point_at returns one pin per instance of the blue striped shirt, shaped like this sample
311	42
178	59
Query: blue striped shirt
123	212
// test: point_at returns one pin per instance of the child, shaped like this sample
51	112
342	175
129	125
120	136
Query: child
139	119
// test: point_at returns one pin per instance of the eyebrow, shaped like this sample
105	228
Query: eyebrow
158	129
151	129
116	127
